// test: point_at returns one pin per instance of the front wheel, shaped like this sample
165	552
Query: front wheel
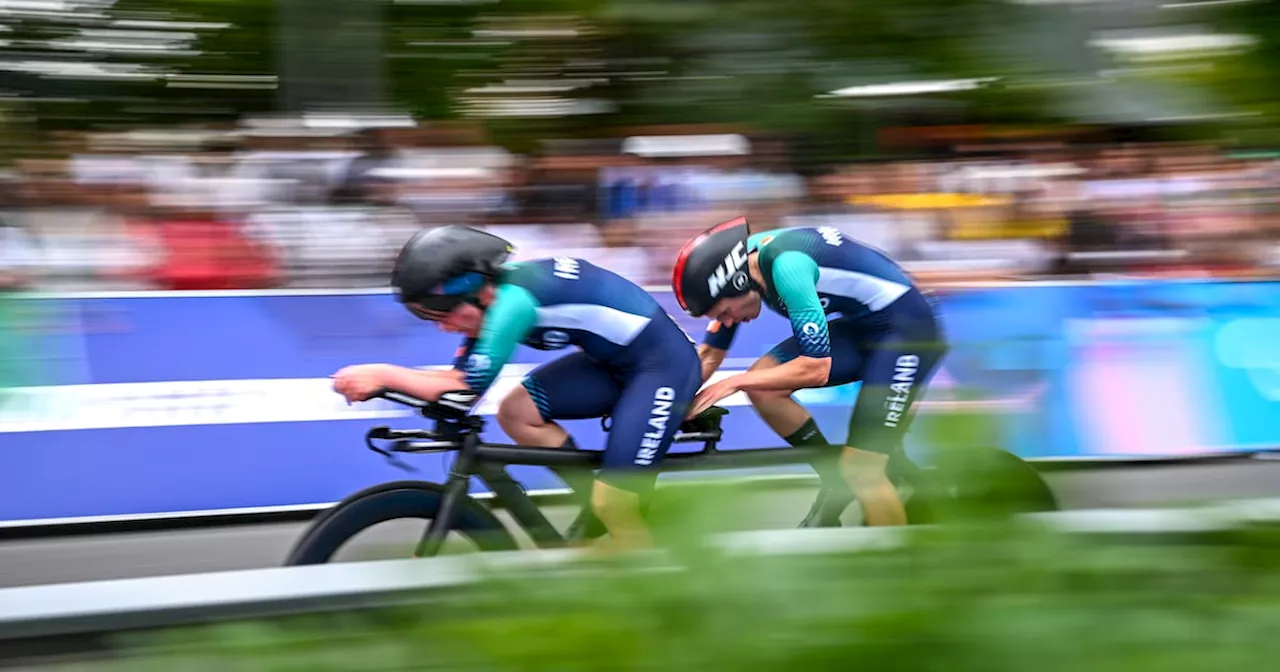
394	501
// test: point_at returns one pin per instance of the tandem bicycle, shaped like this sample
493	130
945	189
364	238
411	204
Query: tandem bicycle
448	507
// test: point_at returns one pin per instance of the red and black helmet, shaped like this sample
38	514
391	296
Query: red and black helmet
712	266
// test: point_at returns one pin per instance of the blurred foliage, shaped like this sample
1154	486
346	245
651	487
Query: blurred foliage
758	63
1249	80
767	64
138	88
986	598
984	594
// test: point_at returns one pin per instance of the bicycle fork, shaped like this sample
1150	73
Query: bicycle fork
455	490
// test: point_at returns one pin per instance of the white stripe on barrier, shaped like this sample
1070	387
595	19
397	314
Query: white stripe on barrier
262	401
1144	521
101	606
829	540
139	603
1255	510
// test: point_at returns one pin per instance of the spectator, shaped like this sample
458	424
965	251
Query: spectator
204	252
359	182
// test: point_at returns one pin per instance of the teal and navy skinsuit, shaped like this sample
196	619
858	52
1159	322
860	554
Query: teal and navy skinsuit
634	362
852	304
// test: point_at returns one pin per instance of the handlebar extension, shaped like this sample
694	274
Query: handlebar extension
453	407
452	413
401	398
388	434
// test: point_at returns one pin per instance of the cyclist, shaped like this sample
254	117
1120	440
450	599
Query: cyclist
633	363
855	315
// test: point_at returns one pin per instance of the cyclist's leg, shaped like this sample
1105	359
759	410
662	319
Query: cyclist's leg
898	366
796	425
780	410
569	388
647	416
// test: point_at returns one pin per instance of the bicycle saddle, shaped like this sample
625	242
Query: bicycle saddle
706	421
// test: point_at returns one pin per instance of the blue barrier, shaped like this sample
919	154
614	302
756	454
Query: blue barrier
191	401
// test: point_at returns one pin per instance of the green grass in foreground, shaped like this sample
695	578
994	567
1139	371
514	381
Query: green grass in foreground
981	597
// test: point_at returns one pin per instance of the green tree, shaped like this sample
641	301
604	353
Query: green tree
1249	78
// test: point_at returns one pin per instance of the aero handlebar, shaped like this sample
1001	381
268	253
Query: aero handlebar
455	407
400	398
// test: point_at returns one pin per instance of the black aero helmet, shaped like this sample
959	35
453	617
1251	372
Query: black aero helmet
443	267
711	267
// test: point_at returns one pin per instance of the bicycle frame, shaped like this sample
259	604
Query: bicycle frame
488	462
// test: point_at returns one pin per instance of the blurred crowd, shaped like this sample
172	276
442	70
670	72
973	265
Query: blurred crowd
230	209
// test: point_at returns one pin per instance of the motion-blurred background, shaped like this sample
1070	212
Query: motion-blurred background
1091	187
194	144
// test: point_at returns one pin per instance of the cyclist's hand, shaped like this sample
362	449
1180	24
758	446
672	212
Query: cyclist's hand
711	394
360	382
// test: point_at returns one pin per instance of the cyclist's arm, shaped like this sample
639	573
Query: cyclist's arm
711	359
430	385
425	385
507	322
795	278
715	344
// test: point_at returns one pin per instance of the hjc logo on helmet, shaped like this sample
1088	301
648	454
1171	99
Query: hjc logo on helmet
729	268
